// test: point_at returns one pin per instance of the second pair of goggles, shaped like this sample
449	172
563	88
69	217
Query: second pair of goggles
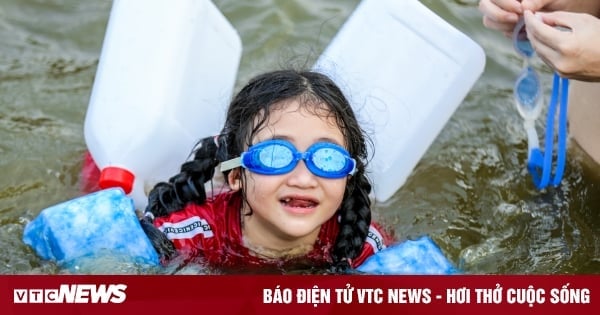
528	99
276	157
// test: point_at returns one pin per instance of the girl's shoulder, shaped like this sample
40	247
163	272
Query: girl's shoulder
204	229
214	208
215	211
213	222
377	239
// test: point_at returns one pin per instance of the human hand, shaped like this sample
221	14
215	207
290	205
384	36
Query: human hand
501	15
581	6
574	54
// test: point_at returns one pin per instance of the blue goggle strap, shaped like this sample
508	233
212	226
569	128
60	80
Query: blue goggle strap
541	162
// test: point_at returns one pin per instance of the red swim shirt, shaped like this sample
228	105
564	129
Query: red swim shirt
213	232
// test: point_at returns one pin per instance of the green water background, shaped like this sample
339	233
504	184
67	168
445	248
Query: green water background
470	192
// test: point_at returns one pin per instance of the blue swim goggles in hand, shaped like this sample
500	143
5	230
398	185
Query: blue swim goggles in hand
527	94
276	157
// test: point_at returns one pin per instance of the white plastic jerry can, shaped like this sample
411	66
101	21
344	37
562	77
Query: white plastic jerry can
405	70
165	78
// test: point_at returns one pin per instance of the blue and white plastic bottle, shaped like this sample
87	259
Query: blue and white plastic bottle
411	257
101	223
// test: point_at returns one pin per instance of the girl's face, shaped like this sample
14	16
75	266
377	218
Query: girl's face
289	209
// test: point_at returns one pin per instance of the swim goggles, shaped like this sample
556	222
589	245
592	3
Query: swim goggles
276	157
528	100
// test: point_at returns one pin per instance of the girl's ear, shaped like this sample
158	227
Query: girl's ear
233	178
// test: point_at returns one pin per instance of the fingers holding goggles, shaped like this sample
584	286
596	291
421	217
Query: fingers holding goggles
276	157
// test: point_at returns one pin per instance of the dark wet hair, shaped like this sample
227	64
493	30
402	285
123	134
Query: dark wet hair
248	113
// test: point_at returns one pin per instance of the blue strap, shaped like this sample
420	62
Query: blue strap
562	131
540	163
535	166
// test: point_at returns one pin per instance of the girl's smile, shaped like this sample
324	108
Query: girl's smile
299	204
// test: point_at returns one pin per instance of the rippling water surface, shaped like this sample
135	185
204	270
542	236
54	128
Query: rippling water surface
470	191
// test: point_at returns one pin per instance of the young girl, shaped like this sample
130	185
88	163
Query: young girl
293	156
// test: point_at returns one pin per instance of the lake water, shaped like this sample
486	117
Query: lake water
470	192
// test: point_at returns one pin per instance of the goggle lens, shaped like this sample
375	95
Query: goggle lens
275	156
521	42
329	160
527	93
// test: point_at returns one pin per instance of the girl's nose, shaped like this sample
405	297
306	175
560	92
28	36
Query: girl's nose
302	177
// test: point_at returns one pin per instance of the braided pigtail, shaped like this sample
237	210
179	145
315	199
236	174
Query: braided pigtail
355	219
187	186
